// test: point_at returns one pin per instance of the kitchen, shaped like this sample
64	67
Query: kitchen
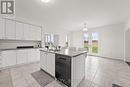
53	43
18	47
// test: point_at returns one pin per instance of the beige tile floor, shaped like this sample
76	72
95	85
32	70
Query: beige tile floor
100	72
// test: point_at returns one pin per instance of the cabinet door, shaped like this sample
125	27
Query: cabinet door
8	58
2	29
38	33
50	63
43	60
22	56
37	58
32	32
0	59
33	55
26	31
10	29
19	31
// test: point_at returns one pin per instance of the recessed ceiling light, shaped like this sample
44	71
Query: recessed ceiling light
46	1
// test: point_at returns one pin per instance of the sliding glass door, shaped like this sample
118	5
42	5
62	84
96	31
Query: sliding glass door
91	42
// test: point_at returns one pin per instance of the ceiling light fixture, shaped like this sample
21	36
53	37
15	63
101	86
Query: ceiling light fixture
85	27
46	1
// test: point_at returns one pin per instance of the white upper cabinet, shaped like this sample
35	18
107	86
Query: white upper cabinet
38	33
32	32
10	29
26	31
2	28
35	33
19	31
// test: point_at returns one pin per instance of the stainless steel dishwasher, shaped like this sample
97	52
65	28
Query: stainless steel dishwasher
63	69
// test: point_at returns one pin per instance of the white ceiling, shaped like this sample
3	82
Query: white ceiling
71	14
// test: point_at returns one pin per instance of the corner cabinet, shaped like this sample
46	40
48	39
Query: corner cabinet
32	32
47	62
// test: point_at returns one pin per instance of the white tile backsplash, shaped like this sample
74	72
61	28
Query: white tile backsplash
13	44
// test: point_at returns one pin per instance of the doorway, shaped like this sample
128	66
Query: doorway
91	42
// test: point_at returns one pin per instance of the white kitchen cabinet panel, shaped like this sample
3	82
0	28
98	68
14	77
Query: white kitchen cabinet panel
10	29
78	69
47	62
0	59
37	54
29	32
38	33
2	29
8	58
43	60
32	32
26	28
19	31
50	63
22	56
33	55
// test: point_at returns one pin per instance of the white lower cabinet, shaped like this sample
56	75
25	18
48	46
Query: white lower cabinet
50	62
33	55
47	62
8	58
14	57
0	60
22	56
43	60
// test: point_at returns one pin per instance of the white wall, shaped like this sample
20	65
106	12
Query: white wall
76	39
6	44
127	45
111	40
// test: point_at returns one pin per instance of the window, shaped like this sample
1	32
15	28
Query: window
86	40
48	39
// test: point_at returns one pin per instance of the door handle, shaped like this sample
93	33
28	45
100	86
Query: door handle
62	58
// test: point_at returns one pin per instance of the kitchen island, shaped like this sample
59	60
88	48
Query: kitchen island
67	66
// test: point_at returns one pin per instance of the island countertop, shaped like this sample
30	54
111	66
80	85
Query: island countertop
67	52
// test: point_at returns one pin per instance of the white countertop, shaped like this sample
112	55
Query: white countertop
67	52
17	49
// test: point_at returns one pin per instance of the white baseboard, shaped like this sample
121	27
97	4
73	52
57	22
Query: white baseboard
108	57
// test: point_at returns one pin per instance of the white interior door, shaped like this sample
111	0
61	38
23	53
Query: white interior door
91	42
